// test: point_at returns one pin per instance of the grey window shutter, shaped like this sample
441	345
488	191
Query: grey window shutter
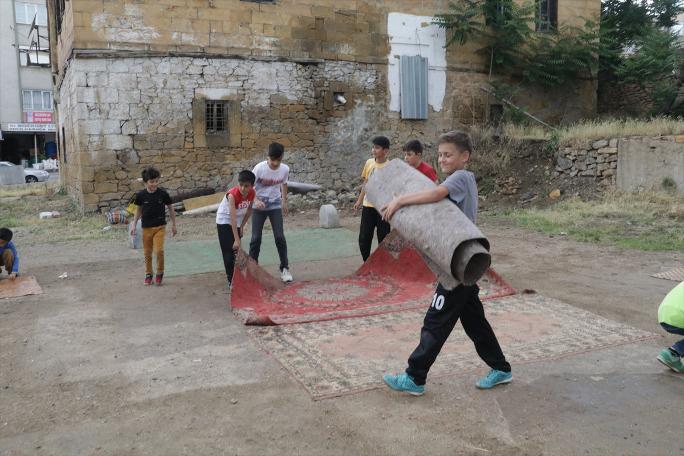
414	86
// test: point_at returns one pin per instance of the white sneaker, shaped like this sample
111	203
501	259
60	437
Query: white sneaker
285	275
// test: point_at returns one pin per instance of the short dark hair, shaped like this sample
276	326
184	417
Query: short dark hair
6	234
459	139
276	151
150	173
381	141
245	176
414	146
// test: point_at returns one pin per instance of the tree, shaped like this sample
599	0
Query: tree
643	49
505	30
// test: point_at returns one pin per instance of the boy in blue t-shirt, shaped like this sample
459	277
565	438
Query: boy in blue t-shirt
9	258
463	301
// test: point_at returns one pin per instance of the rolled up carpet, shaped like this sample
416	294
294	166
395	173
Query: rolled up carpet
455	249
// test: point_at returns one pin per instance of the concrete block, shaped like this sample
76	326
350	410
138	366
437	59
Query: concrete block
328	217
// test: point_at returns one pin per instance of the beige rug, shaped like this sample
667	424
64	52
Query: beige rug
344	356
21	286
676	274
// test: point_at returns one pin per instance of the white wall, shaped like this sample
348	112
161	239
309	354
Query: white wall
415	35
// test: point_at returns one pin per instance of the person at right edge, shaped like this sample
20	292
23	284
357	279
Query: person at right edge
671	318
455	150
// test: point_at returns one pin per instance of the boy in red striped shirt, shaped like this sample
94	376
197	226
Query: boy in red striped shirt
231	218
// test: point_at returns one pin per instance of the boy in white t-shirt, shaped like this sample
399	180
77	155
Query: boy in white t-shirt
231	218
271	202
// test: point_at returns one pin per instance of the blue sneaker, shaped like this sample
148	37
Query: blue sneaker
404	383
493	378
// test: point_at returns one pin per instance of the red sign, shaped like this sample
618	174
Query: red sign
41	117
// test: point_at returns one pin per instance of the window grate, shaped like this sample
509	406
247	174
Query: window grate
547	15
215	117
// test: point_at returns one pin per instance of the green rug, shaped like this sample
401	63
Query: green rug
310	244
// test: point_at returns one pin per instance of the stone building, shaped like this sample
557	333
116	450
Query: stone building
199	88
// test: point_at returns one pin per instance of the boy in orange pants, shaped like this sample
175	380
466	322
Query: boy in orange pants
152	203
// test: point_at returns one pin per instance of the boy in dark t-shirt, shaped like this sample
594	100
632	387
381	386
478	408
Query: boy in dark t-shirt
462	302
152	203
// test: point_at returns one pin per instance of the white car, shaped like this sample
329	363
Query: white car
30	174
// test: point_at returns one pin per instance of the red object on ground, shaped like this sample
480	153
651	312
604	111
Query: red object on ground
394	278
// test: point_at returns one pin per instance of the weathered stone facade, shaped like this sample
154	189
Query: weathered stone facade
134	77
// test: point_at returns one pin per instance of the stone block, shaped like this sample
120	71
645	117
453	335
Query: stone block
86	95
122	80
129	95
607	150
96	79
107	95
563	163
328	217
599	144
105	187
118	142
91	65
119	66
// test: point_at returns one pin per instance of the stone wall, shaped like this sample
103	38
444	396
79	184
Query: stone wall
597	159
624	99
633	163
120	115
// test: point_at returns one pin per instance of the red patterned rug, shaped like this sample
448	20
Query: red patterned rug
394	278
334	358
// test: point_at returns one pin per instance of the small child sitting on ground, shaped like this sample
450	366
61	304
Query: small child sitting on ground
9	258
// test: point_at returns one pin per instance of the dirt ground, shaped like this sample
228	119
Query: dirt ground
99	364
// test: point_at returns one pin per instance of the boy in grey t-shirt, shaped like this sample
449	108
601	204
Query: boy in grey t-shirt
463	301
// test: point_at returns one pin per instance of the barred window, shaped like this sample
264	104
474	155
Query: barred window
547	15
215	117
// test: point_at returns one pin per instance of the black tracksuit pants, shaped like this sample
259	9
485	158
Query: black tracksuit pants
447	307
226	240
370	220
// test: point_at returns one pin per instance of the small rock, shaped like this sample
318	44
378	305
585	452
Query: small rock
555	194
233	401
599	144
564	163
